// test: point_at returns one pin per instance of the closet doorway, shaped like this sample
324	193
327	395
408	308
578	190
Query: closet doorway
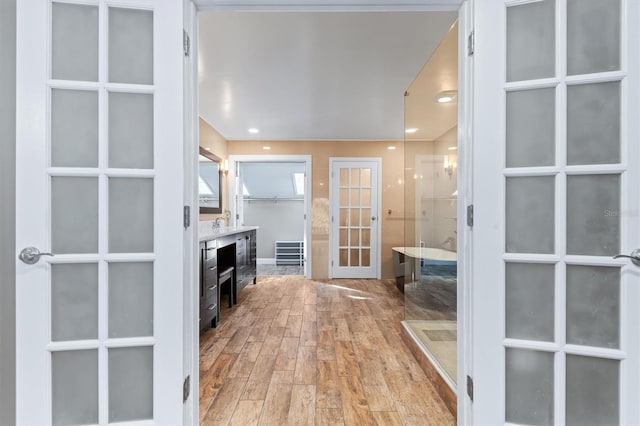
273	193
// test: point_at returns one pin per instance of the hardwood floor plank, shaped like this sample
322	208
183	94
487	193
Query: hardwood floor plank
238	340
276	405
305	369
309	333
247	358
309	312
341	329
354	402
346	359
329	417
378	398
281	319
302	410
287	354
386	418
328	391
258	382
224	405
294	326
247	413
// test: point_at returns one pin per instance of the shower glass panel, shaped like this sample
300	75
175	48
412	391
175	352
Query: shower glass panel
426	266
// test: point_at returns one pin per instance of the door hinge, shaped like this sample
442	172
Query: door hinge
186	43
332	263
470	387
471	43
470	215
186	389
187	217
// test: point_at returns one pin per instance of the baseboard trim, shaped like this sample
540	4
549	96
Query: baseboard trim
442	384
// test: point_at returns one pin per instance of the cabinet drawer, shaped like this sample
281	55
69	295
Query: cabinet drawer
207	314
210	294
210	275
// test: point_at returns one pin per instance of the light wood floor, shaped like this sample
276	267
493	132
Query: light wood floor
296	351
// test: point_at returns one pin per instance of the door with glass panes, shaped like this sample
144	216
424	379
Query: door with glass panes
354	199
99	217
556	172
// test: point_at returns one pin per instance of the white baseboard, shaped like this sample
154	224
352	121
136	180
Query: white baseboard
265	261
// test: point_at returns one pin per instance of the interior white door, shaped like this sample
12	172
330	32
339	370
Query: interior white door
99	185
355	227
556	170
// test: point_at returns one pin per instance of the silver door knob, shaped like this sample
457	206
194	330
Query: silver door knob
634	256
31	255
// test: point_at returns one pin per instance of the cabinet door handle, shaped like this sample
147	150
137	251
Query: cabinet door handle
212	268
211	307
213	287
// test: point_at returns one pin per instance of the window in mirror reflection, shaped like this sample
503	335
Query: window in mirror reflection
209	184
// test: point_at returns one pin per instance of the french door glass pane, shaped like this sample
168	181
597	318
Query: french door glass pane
530	214
75	387
593	123
531	41
529	387
593	36
130	384
593	306
130	130
130	215
593	215
74	54
130	46
74	214
531	128
74	128
130	299
530	298
74	301
593	389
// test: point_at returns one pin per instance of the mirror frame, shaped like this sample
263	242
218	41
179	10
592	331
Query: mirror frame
211	156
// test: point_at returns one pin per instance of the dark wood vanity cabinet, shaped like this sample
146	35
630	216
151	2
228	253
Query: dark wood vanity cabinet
245	259
237	251
209	290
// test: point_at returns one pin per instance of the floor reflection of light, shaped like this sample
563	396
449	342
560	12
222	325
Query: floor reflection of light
358	297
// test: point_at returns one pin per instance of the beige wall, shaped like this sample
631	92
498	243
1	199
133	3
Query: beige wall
320	151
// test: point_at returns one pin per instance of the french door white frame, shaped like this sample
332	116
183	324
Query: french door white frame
488	314
235	192
334	201
33	365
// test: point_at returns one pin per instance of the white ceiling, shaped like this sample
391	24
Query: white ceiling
270	180
312	75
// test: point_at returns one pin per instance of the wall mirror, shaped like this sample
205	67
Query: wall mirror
210	182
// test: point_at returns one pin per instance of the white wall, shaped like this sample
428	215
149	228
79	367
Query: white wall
281	220
7	211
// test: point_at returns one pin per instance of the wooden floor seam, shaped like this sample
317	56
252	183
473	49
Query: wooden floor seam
302	352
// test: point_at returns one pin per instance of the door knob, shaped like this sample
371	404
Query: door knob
31	255
634	256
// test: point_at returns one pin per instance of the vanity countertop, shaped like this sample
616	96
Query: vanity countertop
206	231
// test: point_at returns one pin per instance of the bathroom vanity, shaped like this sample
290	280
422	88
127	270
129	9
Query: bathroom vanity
227	265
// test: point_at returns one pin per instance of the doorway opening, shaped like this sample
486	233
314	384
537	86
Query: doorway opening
273	193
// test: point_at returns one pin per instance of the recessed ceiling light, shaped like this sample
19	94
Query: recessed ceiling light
254	130
391	148
266	148
447	96
452	148
411	130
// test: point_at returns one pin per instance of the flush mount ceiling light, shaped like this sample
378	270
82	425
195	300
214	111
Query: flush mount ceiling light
266	148
452	148
411	130
254	130
446	96
391	148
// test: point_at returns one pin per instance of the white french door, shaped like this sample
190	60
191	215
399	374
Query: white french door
355	225
99	186
556	172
